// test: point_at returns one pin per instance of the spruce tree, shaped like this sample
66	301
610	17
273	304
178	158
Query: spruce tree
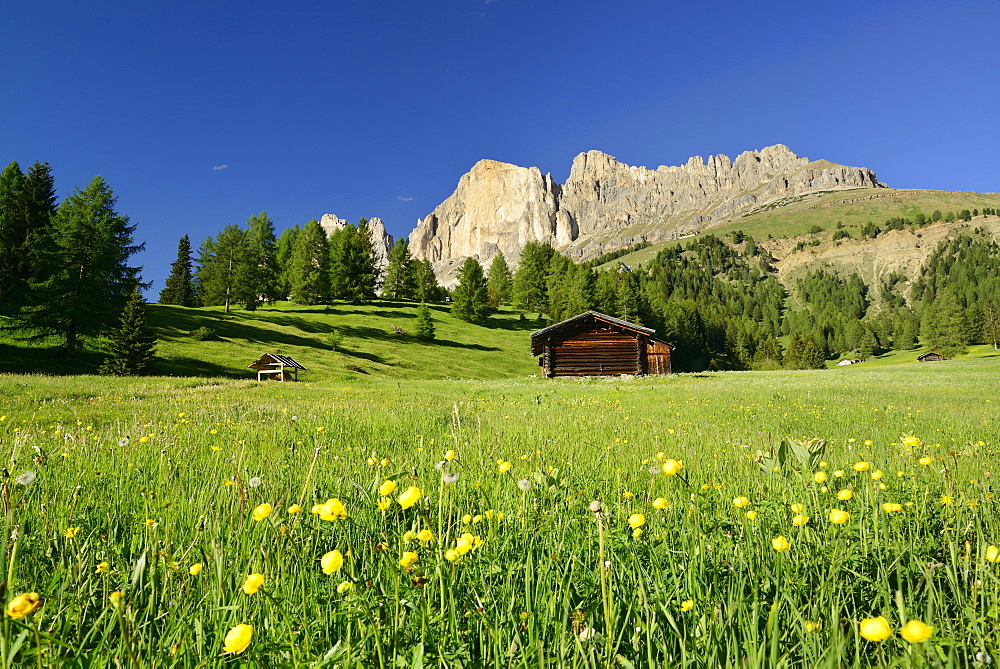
87	279
471	299
499	281
943	325
427	288
530	287
224	272
310	267
39	208
11	214
400	283
425	324
132	345
179	286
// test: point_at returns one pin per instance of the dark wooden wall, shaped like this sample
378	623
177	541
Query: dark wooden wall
593	349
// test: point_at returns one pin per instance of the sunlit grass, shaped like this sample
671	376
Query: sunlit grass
498	561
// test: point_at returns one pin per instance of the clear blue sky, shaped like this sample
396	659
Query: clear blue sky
200	114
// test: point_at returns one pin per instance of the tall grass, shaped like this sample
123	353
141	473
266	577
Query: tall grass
163	474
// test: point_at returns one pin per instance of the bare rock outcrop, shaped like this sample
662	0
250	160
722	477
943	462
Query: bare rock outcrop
605	204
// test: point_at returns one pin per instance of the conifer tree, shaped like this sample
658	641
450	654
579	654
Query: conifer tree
427	288
283	255
943	325
471	299
400	283
499	281
225	270
262	259
179	286
425	324
87	279
530	285
310	267
11	216
132	345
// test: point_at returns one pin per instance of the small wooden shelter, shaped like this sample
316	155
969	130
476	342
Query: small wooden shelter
930	356
595	344
278	367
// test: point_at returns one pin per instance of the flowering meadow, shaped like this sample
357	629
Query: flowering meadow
800	519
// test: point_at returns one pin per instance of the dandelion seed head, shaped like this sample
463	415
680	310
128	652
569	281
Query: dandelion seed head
524	485
451	477
254	482
27	478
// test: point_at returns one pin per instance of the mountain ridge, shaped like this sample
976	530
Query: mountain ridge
605	204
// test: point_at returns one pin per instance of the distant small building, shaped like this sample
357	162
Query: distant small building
848	361
930	356
595	344
277	367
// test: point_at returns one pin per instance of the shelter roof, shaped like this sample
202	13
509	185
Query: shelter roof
273	358
538	337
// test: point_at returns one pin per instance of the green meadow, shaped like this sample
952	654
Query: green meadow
117	489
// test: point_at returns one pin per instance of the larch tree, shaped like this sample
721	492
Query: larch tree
471	299
309	273
400	283
87	278
499	281
262	249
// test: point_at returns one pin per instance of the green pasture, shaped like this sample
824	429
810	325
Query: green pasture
163	473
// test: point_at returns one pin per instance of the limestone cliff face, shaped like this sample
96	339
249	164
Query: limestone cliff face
605	204
381	240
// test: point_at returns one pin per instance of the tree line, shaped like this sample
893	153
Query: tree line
66	273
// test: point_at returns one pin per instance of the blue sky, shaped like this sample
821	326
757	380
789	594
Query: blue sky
200	114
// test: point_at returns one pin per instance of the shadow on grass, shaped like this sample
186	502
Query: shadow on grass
36	360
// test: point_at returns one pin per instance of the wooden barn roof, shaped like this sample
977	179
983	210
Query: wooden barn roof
538	338
270	358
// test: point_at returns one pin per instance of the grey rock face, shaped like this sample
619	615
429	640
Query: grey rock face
605	204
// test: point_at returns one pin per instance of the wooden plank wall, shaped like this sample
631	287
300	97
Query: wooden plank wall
589	349
658	358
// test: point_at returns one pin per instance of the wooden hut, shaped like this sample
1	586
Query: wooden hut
930	356
595	344
278	367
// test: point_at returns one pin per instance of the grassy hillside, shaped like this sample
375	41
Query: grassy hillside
341	341
793	217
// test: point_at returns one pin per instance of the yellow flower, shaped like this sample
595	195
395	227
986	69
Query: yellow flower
819	477
800	520
449	455
71	532
294	508
410	497
262	512
845	494
780	544
993	554
671	467
875	629
868	442
890	507
925	461
916	631
345	586
911	441
636	520
752	515
839	473
740	502
503	466
408	559
384	503
333	509
387	488
409	536
238	639
195	569
636	533
947	499
149	523
425	535
252	583
797	508
103	568
116	598
861	466
451	555
659	503
23	605
687	605
331	562
838	517
466	519
824	489
812	626
876	475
